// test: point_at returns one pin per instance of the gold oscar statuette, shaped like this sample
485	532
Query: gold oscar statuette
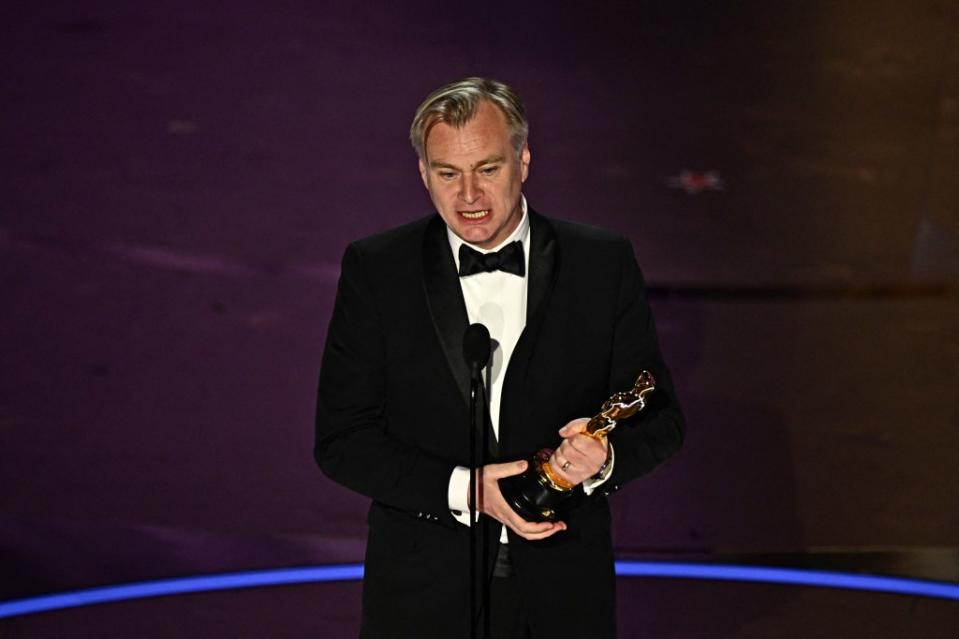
536	493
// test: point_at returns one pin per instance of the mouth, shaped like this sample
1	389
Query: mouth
474	216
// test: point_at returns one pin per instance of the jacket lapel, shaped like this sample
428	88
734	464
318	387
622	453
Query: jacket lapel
542	265
445	298
543	268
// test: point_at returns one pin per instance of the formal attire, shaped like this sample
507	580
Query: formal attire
495	295
392	418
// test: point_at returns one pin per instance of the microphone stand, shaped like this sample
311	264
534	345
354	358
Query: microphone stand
484	454
478	399
474	493
476	351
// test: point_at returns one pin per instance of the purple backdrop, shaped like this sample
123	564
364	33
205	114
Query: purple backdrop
180	179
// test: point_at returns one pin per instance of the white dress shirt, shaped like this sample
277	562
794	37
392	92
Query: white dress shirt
497	300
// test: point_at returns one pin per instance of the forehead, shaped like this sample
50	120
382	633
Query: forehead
486	132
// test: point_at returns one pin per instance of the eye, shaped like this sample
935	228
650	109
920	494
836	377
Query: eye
447	175
489	170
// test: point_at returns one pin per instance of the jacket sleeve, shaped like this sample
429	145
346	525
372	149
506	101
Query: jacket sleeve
650	437
353	445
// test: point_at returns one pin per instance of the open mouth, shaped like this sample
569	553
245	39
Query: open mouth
474	215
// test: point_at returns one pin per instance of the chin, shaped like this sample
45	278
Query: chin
474	234
477	238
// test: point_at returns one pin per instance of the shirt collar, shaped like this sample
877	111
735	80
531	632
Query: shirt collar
521	233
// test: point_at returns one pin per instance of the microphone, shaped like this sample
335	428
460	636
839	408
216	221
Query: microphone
476	347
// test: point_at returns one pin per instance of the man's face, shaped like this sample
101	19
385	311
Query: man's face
474	177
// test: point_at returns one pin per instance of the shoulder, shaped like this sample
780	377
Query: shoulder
400	239
584	242
389	261
576	232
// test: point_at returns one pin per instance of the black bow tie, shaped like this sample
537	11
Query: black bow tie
509	259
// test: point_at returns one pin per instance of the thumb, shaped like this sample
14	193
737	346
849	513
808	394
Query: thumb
508	469
575	426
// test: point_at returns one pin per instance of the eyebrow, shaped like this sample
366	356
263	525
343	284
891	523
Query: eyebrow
496	159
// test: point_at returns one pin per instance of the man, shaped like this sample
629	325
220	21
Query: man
567	311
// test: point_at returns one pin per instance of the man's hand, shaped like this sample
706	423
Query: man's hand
492	503
580	456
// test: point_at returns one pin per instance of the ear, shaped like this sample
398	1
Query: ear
424	175
524	158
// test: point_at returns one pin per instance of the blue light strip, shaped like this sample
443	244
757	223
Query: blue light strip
790	576
354	572
162	587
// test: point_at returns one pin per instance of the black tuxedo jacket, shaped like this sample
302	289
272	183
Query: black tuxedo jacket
392	418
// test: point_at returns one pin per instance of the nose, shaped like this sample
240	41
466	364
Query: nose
469	189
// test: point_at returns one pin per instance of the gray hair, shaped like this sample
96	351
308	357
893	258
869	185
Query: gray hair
455	104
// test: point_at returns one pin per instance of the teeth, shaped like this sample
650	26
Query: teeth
474	215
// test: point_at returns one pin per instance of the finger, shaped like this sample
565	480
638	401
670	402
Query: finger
566	474
539	536
576	443
523	527
573	427
580	465
580	445
558	459
586	443
566	450
517	523
573	456
557	527
537	530
569	429
584	465
497	471
572	452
